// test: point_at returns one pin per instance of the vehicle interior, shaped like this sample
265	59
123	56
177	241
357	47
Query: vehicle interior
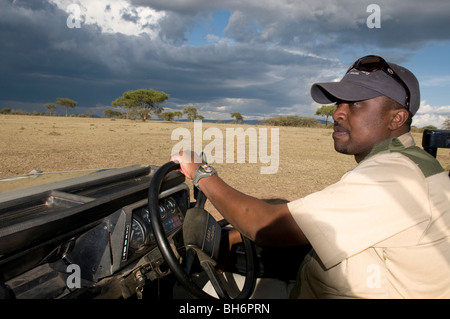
131	232
122	233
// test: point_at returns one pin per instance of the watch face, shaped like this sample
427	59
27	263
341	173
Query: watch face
206	169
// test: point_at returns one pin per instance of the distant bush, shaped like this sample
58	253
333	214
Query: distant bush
292	120
113	114
421	129
19	112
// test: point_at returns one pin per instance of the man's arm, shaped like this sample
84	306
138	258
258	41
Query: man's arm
264	223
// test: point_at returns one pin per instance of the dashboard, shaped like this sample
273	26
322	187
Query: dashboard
139	235
125	237
98	224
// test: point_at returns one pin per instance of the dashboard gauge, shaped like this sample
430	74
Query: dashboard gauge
137	237
171	204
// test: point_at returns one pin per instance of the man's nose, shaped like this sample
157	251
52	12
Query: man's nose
341	112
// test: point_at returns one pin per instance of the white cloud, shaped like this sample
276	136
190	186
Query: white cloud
116	16
215	39
426	108
431	115
428	119
436	81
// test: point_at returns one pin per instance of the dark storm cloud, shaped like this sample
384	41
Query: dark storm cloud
44	59
273	52
41	54
404	23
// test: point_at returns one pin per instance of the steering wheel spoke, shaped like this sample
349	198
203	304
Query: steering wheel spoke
215	279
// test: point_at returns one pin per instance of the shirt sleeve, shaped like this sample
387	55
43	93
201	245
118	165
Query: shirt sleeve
381	197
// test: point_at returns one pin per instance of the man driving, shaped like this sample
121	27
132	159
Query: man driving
382	231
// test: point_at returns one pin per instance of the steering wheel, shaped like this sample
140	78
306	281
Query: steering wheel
202	236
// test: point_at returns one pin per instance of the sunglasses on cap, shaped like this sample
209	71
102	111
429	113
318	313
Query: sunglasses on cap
372	63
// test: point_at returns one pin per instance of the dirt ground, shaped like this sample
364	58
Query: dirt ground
307	160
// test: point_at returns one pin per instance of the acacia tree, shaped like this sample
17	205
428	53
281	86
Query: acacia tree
192	113
238	118
167	116
326	110
178	114
66	102
51	107
142	102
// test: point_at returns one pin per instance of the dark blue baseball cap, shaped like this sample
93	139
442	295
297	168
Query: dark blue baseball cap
365	81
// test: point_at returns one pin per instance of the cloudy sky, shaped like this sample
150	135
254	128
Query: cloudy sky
256	57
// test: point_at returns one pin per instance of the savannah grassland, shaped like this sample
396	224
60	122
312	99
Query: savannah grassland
307	159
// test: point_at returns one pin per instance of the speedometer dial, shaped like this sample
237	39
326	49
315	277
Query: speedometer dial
137	237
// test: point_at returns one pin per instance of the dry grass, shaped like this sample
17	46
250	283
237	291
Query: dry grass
307	158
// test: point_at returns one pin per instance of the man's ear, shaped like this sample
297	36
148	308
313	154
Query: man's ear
399	118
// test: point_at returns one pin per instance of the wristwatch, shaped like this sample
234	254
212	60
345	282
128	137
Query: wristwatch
204	170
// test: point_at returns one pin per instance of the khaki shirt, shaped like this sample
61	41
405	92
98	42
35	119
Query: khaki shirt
382	231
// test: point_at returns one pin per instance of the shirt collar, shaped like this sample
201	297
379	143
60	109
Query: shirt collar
407	140
393	144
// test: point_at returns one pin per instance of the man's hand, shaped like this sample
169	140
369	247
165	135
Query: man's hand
189	162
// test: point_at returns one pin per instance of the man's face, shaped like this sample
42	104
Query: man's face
360	125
